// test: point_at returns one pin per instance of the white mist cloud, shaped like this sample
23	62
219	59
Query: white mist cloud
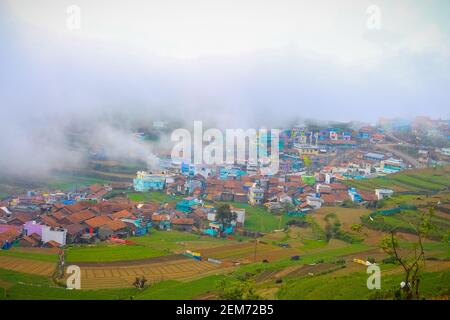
234	64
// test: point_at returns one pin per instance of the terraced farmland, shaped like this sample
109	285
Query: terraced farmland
123	274
37	267
248	252
425	180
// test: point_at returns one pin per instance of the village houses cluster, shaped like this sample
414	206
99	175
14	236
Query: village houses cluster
315	165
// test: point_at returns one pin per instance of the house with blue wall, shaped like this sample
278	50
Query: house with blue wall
354	195
145	181
187	204
230	173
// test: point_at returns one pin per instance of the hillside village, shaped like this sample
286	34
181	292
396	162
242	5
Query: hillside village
317	169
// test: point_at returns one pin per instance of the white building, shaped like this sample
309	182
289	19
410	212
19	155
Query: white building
314	202
55	234
240	213
383	193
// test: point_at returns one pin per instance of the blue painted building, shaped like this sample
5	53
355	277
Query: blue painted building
145	181
187	204
225	174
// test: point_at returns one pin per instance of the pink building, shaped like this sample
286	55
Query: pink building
31	227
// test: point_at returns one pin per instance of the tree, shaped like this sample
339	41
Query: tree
332	225
307	161
225	215
413	261
139	282
237	290
356	227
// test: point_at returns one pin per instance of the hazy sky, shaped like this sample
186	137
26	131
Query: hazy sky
237	62
236	59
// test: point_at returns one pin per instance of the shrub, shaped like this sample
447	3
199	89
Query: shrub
390	260
371	259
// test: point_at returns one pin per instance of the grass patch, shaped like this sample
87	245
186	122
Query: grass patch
426	180
108	253
153	196
353	286
28	255
177	290
257	218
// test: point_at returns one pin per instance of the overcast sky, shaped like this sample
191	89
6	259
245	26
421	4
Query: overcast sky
243	61
235	63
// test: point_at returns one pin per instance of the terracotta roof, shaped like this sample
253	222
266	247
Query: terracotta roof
160	217
81	216
53	244
151	206
121	214
73	229
58	206
49	221
8	235
57	215
182	221
115	225
96	188
367	195
30	240
21	217
97	221
78	206
35	236
333	197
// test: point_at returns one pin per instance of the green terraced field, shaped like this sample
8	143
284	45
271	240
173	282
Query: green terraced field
353	286
427	180
107	253
28	255
152	197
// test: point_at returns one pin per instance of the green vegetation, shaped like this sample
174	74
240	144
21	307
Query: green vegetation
13	252
66	181
17	285
108	253
424	180
176	241
153	196
405	221
257	218
353	286
178	290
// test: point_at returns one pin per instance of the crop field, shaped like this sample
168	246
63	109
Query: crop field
111	252
18	285
249	252
177	242
39	254
353	286
406	222
346	216
122	275
428	180
180	290
37	267
324	269
153	196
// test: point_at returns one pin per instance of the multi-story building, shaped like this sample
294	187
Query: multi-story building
256	195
